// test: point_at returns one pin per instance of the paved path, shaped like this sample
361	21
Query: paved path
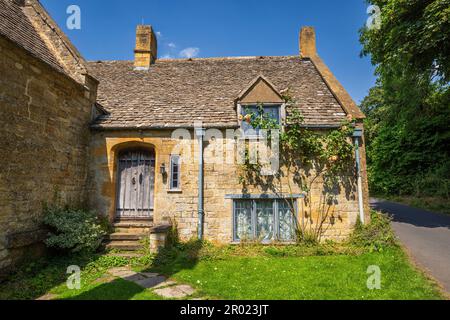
425	234
155	282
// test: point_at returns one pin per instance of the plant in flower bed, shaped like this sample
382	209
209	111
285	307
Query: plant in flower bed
375	236
73	229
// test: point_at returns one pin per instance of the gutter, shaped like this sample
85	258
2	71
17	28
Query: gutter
200	133
96	127
357	135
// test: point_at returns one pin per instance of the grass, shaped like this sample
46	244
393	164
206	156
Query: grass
49	275
311	277
325	271
117	289
262	276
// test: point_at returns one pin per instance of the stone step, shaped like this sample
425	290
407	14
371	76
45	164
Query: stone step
135	227
133	224
126	236
124	245
145	231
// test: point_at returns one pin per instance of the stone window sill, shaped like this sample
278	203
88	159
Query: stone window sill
175	191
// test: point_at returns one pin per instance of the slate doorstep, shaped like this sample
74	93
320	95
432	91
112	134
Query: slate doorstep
159	284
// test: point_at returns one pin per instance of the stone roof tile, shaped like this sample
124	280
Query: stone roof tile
15	25
176	93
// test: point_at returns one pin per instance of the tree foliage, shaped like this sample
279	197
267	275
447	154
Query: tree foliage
414	38
408	111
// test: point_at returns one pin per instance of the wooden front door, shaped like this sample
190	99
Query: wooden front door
136	180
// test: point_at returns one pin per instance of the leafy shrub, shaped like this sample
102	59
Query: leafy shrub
73	230
375	236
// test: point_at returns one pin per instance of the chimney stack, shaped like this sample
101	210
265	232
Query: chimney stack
308	42
146	50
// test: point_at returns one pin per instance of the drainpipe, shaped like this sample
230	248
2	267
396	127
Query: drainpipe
200	133
357	135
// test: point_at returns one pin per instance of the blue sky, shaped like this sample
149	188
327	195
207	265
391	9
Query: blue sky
212	28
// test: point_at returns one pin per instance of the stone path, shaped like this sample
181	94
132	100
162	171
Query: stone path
159	284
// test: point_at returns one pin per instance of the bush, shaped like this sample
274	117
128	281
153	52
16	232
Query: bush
73	230
375	236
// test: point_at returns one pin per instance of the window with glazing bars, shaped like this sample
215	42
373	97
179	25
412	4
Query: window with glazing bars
270	111
264	220
175	166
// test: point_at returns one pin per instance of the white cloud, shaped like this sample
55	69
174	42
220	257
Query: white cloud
189	53
166	56
172	45
159	35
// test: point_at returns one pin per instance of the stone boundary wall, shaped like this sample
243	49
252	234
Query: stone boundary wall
44	137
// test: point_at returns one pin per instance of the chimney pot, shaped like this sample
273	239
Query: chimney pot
145	52
308	42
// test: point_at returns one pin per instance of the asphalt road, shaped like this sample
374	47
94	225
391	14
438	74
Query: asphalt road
425	234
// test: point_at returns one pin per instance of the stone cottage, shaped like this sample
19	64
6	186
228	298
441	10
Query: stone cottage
155	142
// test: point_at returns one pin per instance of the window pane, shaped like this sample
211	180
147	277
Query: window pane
286	221
247	127
174	172
243	220
273	113
265	220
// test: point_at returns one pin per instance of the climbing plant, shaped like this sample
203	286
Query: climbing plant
305	155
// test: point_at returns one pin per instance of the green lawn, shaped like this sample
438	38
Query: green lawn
313	277
231	276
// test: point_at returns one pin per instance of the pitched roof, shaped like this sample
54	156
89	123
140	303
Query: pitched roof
260	86
28	25
177	93
17	27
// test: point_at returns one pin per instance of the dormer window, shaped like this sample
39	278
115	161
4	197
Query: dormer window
260	99
269	112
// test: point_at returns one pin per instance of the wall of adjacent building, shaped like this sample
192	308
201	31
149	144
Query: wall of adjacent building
44	137
220	180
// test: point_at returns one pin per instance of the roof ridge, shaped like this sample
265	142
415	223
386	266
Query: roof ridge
207	59
53	37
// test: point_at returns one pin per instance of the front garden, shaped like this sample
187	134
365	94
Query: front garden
248	271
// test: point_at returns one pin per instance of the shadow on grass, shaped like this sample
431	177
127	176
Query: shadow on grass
117	289
37	278
177	257
169	261
40	277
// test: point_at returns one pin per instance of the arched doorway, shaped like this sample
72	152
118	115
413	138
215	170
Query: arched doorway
135	183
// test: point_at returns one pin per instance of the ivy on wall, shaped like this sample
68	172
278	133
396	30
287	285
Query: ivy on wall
305	156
